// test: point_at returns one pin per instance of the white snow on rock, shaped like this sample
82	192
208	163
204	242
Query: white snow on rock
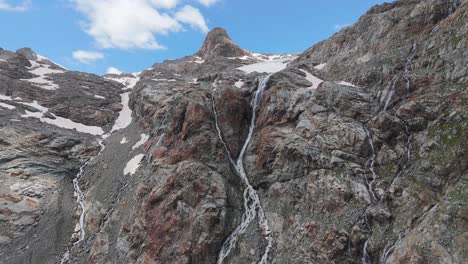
133	164
40	58
124	141
239	84
99	96
5	98
125	115
143	139
347	84
265	57
129	82
60	121
198	60
314	80
165	80
42	70
320	66
270	66
7	106
39	107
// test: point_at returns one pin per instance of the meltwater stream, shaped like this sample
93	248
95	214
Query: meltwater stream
371	163
80	196
252	205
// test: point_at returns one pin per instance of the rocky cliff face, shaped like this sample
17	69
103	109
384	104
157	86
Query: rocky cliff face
49	120
351	152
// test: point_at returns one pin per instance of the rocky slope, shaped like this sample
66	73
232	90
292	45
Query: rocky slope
351	152
49	122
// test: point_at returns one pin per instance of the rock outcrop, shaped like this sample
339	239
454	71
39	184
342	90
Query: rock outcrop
219	44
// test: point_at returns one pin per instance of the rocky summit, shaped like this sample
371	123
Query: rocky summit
354	151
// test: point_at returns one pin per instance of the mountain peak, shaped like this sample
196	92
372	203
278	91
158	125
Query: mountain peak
28	53
219	44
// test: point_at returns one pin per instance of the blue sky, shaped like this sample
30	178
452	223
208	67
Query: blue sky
131	35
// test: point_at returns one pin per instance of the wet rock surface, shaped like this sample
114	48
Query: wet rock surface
357	155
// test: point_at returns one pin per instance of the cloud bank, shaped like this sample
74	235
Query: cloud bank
87	56
22	6
134	24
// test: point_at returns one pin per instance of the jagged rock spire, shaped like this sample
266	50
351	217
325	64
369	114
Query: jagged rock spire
219	44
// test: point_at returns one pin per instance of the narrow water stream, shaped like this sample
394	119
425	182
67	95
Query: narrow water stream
252	206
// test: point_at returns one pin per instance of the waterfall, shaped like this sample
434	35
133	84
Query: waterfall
252	206
80	200
371	163
408	67
391	91
388	250
365	256
80	197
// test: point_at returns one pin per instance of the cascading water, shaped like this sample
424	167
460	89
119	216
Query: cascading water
388	250
80	200
387	98
252	205
371	164
391	90
365	256
80	196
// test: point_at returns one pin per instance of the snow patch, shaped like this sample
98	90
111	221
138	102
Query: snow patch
143	139
99	96
5	98
347	84
165	80
37	106
7	106
129	82
270	66
198	60
125	115
60	121
124	141
320	66
42	70
239	84
314	80
40	58
133	164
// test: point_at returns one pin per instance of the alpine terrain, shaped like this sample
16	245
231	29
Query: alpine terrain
354	151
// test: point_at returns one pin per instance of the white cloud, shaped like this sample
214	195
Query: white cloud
87	56
339	27
22	6
207	3
113	70
165	3
192	16
130	24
